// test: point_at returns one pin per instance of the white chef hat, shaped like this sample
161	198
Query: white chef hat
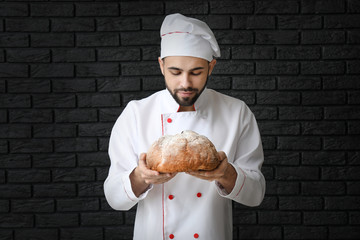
184	36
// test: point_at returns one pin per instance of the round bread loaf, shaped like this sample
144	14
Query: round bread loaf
187	151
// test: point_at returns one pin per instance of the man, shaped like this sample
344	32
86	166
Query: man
194	204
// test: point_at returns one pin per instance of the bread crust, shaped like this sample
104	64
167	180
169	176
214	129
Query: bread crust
183	152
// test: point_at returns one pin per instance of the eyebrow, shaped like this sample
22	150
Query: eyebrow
179	69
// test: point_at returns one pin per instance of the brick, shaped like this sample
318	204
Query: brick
277	68
54	101
337	232
28	86
353	188
354	36
297	173
253	22
353	6
14	40
353	97
299	143
299	22
254	83
132	8
259	232
218	83
282	158
298	83
216	21
75	145
118	54
73	55
3	146
323	98
342	143
97	39
30	116
279	218
323	128
77	205
40	234
57	220
322	37
353	128
27	25
298	53
28	55
341	52
231	7
99	100
93	159
150	53
353	67
54	130
15	101
140	68
347	203
140	38
33	206
118	24
52	9
73	175
30	146
305	232
109	114
233	67
16	220
52	40
95	130
322	6
94	189
277	37
102	173
188	7
279	128
243	217
97	69
15	191
102	218
300	203
52	70
97	9
54	190
276	7
345	112
323	158
72	25
341	21
54	160
15	161
13	9
340	173
152	22
234	37
277	98
75	115
83	233
269	143
118	84
15	131
341	82
13	70
324	188
282	188
4	206
74	85
322	67
2	57
154	83
252	52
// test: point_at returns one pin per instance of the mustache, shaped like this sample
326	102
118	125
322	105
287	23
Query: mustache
189	89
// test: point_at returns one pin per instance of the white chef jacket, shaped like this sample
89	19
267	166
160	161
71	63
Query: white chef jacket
185	207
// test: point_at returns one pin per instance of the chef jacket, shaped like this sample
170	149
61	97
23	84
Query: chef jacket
185	207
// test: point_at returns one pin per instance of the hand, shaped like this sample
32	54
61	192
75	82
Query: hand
142	177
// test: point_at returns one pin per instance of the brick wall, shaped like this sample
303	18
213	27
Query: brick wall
68	68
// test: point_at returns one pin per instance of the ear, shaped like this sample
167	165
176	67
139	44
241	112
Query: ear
161	63
211	66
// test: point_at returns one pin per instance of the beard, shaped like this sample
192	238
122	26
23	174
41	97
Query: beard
186	101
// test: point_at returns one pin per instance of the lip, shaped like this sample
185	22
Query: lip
186	93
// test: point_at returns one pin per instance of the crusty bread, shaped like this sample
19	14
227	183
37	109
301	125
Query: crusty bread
187	151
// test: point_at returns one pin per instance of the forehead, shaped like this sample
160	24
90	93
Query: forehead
185	62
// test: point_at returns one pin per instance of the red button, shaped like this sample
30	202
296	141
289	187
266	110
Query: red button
169	120
198	194
171	197
196	235
171	236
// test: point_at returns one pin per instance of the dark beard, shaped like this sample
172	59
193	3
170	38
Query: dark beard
186	102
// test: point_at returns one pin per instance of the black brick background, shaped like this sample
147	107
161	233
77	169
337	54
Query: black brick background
68	68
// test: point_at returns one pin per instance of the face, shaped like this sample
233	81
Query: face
186	77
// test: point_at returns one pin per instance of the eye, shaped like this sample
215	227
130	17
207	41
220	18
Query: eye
175	73
195	73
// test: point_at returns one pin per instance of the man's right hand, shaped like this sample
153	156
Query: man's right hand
142	177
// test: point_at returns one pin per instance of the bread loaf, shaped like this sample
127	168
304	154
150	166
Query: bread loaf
187	151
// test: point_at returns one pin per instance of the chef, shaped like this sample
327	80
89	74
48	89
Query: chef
186	205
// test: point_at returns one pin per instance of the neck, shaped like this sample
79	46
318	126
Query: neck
186	108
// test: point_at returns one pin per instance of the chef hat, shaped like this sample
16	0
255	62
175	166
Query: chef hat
184	36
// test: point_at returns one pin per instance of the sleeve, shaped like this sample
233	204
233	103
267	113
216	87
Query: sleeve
249	187
123	160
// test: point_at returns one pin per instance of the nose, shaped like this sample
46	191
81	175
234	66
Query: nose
186	81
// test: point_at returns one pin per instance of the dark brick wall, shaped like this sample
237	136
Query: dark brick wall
68	68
